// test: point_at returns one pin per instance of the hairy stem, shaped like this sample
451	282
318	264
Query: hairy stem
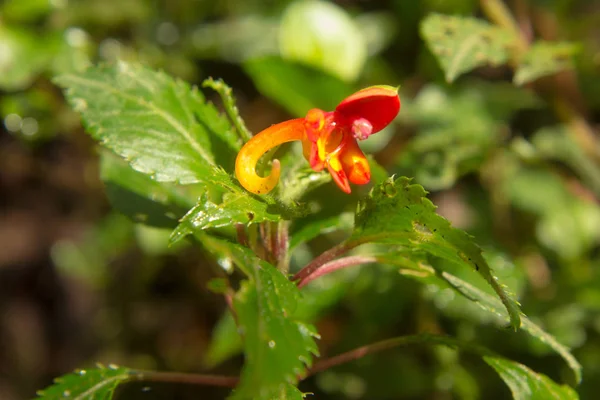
231	109
335	265
282	246
324	258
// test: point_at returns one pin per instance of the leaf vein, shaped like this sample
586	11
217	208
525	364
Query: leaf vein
142	103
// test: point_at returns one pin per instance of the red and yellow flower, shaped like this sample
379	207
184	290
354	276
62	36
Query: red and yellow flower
329	140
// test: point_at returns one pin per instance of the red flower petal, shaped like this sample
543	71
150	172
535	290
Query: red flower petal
379	105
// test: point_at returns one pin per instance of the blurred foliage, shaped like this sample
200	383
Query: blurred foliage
499	121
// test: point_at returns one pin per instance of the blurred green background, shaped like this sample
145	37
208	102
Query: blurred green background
81	283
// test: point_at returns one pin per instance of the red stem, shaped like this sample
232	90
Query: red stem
179	377
396	342
335	265
242	237
325	257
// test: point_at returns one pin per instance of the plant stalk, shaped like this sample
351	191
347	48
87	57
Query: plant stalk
324	258
335	265
180	377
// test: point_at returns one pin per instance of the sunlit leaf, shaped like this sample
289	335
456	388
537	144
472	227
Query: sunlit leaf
545	58
398	212
161	126
88	384
462	43
141	198
526	384
277	347
236	206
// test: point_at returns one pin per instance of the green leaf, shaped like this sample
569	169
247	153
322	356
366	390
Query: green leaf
24	56
277	348
296	87
526	384
234	39
161	126
319	227
556	143
397	212
236	206
461	43
298	179
218	285
426	274
524	186
87	259
323	35
567	225
225	342
88	384
545	58
25	10
572	230
494	306
456	133
139	197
